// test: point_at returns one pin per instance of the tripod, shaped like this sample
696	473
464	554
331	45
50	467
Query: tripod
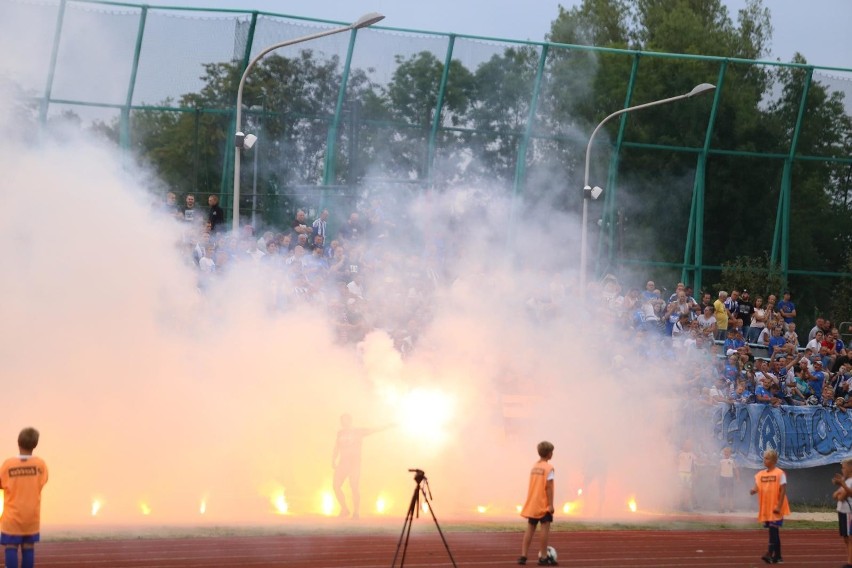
421	488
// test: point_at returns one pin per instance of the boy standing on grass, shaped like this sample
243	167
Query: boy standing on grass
22	479
843	495
539	505
770	485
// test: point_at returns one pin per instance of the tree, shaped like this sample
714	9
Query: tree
411	99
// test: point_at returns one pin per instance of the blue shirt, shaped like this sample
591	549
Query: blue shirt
784	306
774	342
761	391
815	383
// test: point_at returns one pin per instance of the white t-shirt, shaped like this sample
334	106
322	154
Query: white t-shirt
843	504
726	467
686	462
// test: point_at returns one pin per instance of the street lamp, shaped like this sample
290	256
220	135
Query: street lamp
593	193
364	21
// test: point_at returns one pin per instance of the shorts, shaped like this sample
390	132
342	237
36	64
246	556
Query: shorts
548	518
843	521
778	524
726	486
19	538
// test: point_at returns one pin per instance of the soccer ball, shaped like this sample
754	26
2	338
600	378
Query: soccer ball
551	552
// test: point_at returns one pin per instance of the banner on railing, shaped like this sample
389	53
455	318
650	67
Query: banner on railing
804	436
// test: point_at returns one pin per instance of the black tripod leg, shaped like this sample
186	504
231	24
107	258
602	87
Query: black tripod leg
406	529
440	532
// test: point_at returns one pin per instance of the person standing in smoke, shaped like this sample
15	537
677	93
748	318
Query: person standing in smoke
215	214
346	462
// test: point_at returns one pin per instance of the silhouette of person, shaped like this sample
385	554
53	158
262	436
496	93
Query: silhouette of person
346	462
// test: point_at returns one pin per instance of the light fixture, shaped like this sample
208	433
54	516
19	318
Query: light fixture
242	140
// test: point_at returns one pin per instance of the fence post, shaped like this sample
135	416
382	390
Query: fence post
124	136
230	148
51	70
782	217
439	106
609	209
696	215
329	175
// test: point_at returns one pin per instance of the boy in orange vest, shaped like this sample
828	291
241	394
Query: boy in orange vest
21	479
770	485
539	505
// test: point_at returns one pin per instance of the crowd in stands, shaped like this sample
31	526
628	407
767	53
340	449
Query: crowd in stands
753	351
812	370
343	274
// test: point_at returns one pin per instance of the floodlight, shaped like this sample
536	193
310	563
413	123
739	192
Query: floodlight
242	140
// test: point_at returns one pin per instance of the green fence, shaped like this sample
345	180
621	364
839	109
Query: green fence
413	110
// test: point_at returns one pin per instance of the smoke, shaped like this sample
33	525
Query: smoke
162	403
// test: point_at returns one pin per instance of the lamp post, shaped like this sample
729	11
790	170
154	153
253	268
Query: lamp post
364	21
594	193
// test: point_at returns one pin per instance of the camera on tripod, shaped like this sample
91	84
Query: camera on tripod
419	474
421	488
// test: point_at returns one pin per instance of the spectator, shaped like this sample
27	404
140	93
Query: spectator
215	214
681	287
773	317
722	315
744	311
680	306
299	225
732	304
763	394
758	320
285	243
818	326
707	321
352	230
189	209
815	378
319	242
815	344
320	224
776	341
787	309
302	241
706	301
649	292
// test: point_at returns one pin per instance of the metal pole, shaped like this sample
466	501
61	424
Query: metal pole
364	21
51	70
702	88
254	190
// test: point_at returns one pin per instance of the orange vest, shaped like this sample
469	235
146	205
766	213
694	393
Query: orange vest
768	486
537	503
21	479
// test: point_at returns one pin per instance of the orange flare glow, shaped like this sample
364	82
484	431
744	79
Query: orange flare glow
279	503
380	505
327	504
96	507
203	508
481	509
146	510
632	505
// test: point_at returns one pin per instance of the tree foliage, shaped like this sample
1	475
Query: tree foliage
385	128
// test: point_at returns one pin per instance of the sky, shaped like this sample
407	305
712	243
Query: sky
820	32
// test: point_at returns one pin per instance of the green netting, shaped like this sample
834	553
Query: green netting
175	46
85	70
26	56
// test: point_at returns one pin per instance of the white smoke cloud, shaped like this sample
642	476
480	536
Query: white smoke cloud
153	396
